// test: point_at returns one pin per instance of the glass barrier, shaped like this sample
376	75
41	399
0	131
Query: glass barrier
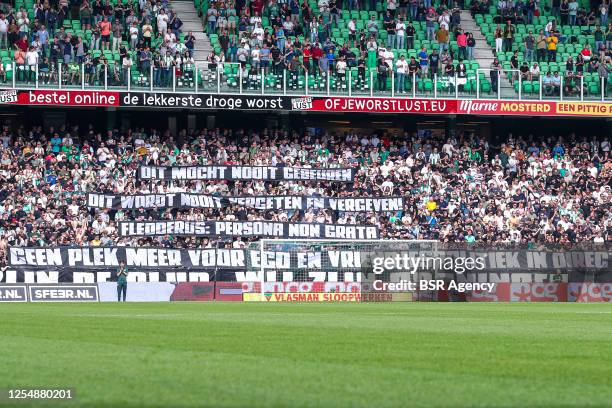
234	78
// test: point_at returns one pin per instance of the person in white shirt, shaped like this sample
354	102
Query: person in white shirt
352	27
444	20
4	25
23	22
288	27
388	56
162	22
31	60
239	243
392	6
127	65
258	34
341	69
448	149
255	20
255	57
401	69
548	28
400	34
134	36
170	37
534	72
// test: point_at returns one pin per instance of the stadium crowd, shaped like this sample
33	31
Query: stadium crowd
412	37
463	188
103	36
403	37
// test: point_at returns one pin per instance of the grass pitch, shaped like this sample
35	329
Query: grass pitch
268	355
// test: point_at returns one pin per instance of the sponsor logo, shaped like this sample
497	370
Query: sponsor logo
590	292
502	108
73	98
469	106
15	293
301	103
327	297
302	297
313	297
63	293
539	292
387	105
584	109
8	96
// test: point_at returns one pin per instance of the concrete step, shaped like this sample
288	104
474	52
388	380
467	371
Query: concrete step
193	28
192	22
190	19
483	53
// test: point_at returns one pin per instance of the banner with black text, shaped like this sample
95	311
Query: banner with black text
188	200
268	173
293	262
263	229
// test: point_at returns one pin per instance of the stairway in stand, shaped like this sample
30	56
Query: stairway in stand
484	54
192	22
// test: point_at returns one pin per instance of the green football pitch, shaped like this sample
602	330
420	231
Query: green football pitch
268	355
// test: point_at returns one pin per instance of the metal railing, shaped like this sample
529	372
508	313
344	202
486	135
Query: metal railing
232	78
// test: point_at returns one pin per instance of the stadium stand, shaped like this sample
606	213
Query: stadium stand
313	46
321	38
533	41
457	189
97	41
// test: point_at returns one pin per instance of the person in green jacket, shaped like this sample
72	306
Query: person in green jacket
122	273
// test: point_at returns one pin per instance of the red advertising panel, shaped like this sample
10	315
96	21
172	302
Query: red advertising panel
381	105
66	98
